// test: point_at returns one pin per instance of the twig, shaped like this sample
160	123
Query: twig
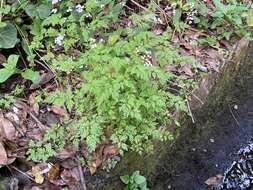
189	108
187	91
139	5
23	173
22	58
233	116
81	174
40	125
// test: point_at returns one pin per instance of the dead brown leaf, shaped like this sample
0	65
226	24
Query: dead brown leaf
102	153
3	155
59	110
67	177
35	188
34	105
44	78
68	152
170	68
187	69
37	174
54	172
7	129
2	59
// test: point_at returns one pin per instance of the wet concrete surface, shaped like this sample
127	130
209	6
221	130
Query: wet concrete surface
209	146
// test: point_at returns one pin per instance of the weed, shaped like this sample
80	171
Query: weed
134	182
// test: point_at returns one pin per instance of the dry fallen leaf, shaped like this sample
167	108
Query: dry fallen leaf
102	153
44	78
53	172
32	102
187	69
58	110
67	177
2	59
3	155
68	152
214	181
35	188
7	129
36	173
170	68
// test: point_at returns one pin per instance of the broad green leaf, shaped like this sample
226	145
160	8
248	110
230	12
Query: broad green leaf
139	179
31	10
125	179
29	74
11	62
5	74
43	11
8	36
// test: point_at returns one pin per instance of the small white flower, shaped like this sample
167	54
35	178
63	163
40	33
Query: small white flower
55	1
93	46
88	15
54	11
93	40
69	10
58	40
79	8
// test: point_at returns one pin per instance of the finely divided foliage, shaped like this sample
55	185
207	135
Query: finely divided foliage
110	66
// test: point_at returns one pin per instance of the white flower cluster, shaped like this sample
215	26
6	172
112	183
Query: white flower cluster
58	40
147	59
190	15
55	1
54	11
79	8
93	43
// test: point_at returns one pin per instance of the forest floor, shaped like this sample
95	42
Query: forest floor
59	57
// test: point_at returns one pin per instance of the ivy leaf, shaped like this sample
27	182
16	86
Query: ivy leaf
29	74
8	36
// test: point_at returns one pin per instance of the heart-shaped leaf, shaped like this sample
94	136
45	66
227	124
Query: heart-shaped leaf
139	179
8	36
43	11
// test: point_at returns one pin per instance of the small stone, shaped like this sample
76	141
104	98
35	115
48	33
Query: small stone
169	186
236	107
212	140
203	68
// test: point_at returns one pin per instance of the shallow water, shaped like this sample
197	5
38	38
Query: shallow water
209	146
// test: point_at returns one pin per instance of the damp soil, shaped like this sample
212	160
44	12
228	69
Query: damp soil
209	146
